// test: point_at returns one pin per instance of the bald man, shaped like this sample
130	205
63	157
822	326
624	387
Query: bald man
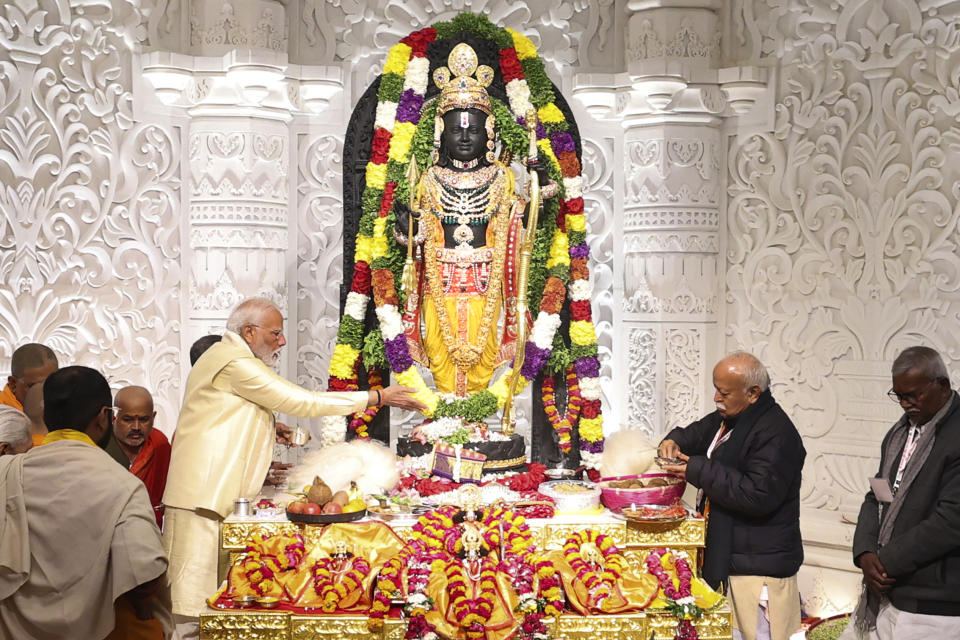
30	364
138	446
746	457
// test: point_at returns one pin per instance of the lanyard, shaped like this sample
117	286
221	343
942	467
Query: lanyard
912	439
722	435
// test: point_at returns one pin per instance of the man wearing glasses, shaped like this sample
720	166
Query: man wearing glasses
907	541
224	443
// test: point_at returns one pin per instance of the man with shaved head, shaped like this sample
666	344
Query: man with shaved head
746	458
138	446
30	364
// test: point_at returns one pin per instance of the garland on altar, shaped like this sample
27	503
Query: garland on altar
269	555
680	600
558	270
332	592
435	543
599	586
472	613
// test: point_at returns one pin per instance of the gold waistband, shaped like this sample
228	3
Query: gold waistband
503	464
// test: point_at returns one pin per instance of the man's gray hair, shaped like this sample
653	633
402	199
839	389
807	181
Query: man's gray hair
753	372
248	312
926	360
14	427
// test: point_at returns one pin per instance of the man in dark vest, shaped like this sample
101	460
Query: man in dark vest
746	458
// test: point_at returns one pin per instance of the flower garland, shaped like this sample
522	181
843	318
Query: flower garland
601	586
680	600
563	426
559	270
362	419
472	613
269	555
332	592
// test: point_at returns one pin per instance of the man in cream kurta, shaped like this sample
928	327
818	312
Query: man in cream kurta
224	443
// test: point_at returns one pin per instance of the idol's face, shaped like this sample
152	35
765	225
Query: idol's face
464	134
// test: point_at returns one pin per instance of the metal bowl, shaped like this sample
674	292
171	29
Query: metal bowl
244	601
561	473
268	602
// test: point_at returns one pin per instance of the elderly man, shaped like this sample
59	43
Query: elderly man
30	364
746	457
81	554
138	446
14	431
224	443
907	541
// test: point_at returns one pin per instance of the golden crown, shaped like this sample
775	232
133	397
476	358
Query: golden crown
458	87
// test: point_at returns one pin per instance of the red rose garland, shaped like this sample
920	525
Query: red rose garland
680	600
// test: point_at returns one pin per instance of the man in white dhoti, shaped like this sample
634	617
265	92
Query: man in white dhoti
224	442
80	552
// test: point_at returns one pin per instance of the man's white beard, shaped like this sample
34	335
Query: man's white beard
271	359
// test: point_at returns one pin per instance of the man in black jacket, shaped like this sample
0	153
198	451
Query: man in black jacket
907	541
746	457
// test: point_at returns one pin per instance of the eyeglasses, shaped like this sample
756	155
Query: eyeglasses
276	332
910	398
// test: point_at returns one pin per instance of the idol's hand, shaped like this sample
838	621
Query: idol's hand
402	213
540	167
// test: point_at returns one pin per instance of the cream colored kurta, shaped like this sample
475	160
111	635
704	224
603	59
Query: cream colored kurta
224	439
76	532
222	450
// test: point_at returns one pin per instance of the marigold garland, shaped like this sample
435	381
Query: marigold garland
599	586
560	249
331	592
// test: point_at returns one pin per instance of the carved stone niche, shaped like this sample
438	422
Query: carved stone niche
218	27
688	31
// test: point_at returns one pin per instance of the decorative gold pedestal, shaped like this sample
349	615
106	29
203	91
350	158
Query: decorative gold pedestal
635	542
269	625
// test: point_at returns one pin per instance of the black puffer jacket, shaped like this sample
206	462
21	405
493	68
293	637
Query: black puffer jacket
923	554
753	483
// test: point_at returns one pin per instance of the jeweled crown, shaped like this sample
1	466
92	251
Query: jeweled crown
459	89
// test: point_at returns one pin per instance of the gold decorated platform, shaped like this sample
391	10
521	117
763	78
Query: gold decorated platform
267	625
635	541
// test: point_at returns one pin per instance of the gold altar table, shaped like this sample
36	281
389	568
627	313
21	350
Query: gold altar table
634	541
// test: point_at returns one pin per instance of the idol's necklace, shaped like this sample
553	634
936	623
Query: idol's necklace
466	207
465	164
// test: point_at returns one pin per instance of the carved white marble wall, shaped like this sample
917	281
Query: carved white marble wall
842	229
90	242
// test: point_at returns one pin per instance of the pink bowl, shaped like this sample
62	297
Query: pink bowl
616	499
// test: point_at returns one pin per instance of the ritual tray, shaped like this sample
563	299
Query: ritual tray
326	518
